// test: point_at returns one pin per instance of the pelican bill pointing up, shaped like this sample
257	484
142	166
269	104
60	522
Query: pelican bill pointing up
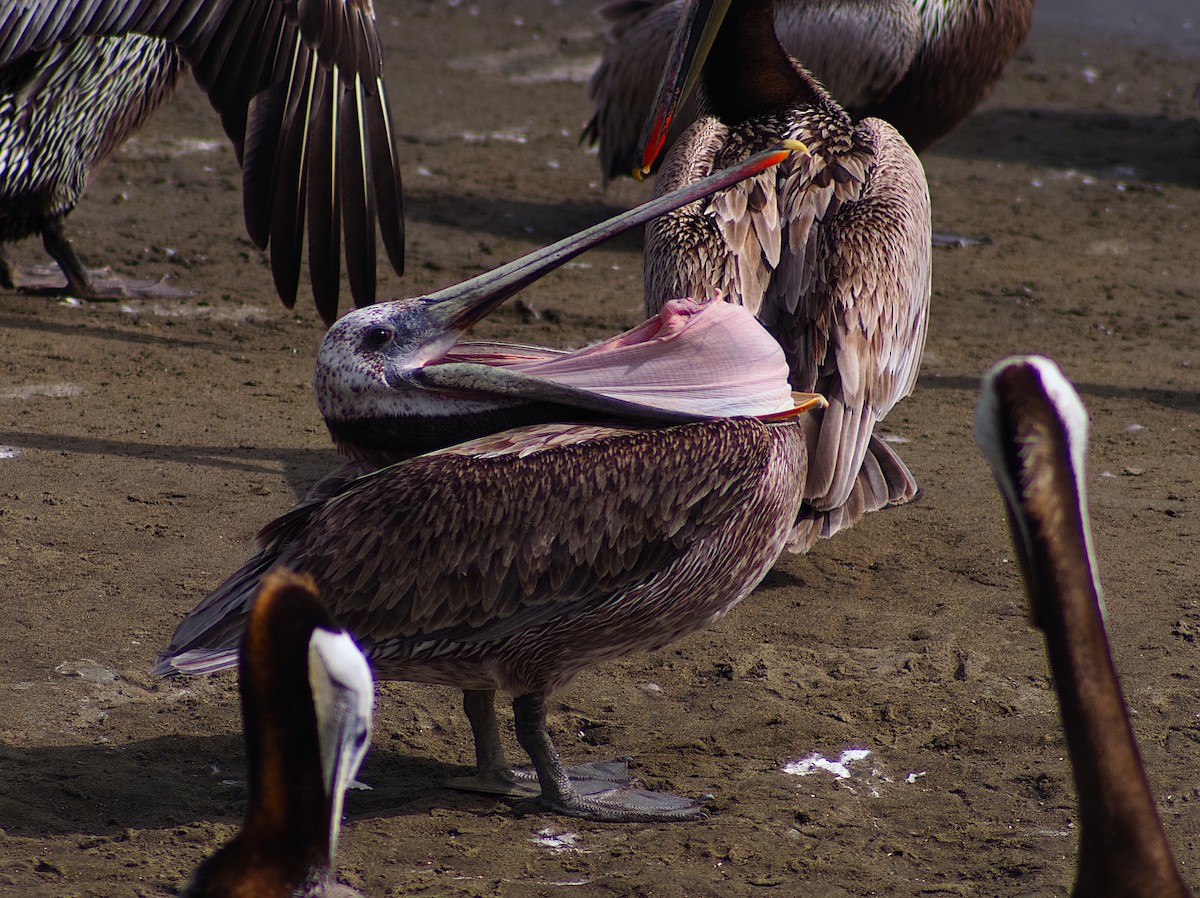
921	65
1032	429
651	506
299	88
830	250
307	696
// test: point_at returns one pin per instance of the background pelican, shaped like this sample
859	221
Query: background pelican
922	65
300	92
1032	429
307	696
831	250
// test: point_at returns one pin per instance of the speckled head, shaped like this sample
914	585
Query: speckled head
364	379
364	360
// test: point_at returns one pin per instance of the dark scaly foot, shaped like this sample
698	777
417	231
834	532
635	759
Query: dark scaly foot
601	800
492	775
7	274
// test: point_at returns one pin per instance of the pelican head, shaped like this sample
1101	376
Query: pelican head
1033	430
343	697
375	376
307	696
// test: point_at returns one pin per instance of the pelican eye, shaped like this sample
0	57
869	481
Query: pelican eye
377	337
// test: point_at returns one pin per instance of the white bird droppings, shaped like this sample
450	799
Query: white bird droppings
839	768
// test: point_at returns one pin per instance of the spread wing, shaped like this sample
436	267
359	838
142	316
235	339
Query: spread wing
299	88
495	535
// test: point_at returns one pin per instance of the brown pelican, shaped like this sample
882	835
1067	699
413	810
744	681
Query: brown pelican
831	250
306	705
922	65
1032	429
513	561
299	88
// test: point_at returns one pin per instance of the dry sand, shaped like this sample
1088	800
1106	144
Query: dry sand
147	441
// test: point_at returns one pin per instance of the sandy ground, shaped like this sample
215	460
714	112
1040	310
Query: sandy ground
145	442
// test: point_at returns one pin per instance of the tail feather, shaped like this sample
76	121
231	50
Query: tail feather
208	638
883	481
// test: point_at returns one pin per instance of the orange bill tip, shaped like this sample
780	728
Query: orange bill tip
802	402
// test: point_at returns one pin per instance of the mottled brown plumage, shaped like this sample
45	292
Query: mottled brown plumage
921	65
831	251
1032	428
299	88
515	561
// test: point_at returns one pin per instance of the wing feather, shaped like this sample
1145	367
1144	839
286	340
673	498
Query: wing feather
239	50
487	539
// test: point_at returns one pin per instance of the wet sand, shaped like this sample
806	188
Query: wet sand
146	442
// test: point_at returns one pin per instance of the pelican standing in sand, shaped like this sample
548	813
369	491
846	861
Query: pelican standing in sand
1032	429
307	696
652	504
921	65
831	250
299	88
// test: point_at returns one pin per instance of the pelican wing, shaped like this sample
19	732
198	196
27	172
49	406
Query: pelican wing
299	88
473	543
859	49
832	252
849	300
494	536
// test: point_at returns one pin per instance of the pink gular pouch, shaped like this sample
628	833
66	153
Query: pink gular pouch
696	358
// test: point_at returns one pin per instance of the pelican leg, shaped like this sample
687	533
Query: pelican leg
598	799
492	773
7	274
54	238
96	284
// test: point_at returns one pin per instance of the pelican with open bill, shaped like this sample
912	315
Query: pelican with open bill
632	507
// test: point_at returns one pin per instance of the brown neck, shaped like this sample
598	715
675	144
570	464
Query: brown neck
1123	849
288	808
748	73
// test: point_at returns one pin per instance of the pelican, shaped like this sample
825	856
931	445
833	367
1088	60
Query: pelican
646	505
921	65
307	696
1032	429
831	250
299	88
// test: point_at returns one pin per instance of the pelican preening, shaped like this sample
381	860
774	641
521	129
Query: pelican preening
921	65
830	250
307	696
1032	429
299	88
516	559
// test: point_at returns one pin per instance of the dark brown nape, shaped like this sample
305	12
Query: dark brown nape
285	837
1123	850
954	71
748	72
